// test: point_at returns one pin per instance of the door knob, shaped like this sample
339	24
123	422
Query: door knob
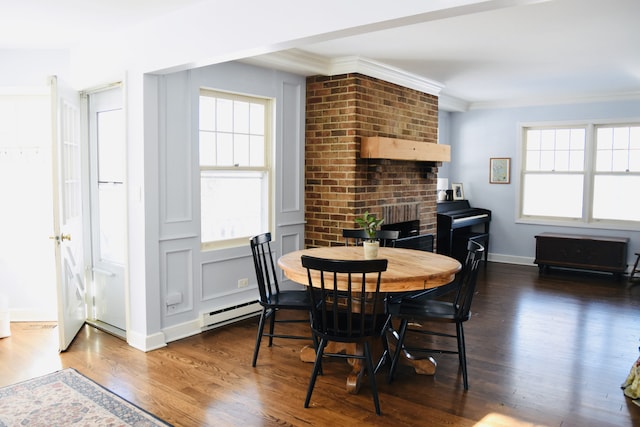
61	237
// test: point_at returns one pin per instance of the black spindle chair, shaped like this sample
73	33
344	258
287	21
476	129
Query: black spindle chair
454	307
349	308
272	299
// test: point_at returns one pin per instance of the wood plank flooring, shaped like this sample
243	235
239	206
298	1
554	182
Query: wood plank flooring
542	350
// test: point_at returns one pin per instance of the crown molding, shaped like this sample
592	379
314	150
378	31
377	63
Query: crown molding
294	61
452	104
301	62
533	102
305	63
371	68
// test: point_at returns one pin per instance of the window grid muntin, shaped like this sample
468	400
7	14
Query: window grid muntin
591	189
618	148
233	139
555	149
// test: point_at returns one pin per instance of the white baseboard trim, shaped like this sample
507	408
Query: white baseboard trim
183	330
146	342
158	340
511	259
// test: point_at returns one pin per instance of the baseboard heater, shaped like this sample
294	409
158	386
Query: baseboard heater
224	316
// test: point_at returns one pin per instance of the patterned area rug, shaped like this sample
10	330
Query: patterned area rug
68	398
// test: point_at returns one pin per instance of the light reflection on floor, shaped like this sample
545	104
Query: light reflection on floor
499	420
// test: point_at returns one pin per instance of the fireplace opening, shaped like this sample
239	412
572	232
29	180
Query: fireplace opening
406	228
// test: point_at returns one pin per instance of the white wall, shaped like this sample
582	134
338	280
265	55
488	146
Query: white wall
444	137
477	135
27	261
30	68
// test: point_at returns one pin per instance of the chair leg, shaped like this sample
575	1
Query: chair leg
462	355
386	354
316	368
272	325
633	276
372	376
263	317
396	354
314	338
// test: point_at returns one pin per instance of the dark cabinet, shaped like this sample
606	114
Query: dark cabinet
607	254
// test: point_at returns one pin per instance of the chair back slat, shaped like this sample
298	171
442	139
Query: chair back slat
264	266
467	279
346	296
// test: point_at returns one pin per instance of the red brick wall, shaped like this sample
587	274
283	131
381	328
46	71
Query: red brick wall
339	185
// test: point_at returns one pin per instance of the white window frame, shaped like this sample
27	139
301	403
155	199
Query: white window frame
266	168
586	220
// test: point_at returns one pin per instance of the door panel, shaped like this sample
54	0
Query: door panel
67	201
108	207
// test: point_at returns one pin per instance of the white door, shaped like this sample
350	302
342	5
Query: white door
107	154
67	206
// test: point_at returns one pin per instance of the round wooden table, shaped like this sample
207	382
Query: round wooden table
407	270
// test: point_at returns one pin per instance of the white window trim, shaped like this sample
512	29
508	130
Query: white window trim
587	220
268	168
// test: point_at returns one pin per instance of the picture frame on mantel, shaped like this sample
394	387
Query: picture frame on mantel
500	170
458	192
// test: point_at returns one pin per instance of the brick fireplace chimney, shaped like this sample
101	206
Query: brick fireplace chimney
339	184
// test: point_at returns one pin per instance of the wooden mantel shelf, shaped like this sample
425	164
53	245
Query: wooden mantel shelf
377	147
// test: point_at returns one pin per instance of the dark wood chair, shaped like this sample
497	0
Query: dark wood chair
421	242
355	236
272	299
387	238
342	314
454	307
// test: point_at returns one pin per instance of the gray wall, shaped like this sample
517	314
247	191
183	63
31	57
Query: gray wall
208	280
477	135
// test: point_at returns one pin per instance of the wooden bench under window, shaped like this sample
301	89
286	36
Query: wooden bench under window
598	253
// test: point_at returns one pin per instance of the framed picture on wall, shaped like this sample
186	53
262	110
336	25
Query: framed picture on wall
458	192
500	170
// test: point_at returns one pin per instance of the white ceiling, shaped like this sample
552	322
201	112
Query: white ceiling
564	48
551	51
63	23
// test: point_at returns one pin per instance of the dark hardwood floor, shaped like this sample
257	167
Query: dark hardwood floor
542	350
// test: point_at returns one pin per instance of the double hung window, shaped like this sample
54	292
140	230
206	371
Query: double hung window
582	174
235	167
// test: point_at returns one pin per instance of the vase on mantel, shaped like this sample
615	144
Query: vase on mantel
371	249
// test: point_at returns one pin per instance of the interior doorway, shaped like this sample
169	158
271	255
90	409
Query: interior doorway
27	262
